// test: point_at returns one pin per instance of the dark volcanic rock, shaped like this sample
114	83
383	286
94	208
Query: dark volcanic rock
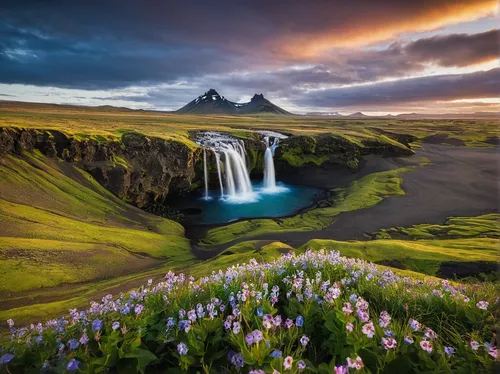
405	139
456	269
495	140
392	263
442	139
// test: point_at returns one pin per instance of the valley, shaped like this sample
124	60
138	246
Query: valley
86	204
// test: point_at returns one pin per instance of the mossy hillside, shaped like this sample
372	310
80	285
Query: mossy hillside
421	256
60	226
346	149
455	227
50	184
25	221
362	193
29	264
425	257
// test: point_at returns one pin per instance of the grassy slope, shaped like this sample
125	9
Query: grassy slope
421	256
362	193
461	239
60	226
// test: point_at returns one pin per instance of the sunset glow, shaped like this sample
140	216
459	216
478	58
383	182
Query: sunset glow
305	56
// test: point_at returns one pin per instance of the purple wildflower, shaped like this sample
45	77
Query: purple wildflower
72	365
257	336
84	339
138	309
449	351
276	354
73	344
6	358
237	360
182	349
299	321
97	325
304	340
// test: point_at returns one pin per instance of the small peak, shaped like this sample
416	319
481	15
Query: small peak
257	97
211	92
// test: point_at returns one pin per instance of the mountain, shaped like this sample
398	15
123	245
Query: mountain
213	103
357	115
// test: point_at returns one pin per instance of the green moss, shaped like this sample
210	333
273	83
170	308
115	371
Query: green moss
423	161
60	226
454	227
302	151
295	158
117	160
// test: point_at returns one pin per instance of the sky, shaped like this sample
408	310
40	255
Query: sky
377	57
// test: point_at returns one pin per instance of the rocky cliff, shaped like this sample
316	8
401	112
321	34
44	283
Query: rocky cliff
324	149
144	170
139	169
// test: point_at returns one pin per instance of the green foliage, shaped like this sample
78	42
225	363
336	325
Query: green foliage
315	309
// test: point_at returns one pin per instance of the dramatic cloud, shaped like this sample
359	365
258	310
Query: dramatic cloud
482	84
456	49
169	51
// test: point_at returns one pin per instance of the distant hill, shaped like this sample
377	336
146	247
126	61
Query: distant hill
213	103
332	114
476	115
357	115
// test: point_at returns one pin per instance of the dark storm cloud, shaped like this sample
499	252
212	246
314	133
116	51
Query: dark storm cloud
456	49
360	66
108	44
433	88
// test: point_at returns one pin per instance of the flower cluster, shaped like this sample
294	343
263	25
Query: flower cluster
317	311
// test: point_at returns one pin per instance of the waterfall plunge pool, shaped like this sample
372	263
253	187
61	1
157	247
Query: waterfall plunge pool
284	200
238	197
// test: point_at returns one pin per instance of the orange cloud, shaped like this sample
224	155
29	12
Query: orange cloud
374	22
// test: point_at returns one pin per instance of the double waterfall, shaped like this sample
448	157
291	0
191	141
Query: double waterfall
231	161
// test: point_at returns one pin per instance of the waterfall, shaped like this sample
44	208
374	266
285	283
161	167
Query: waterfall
217	161
231	189
232	171
269	174
205	173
